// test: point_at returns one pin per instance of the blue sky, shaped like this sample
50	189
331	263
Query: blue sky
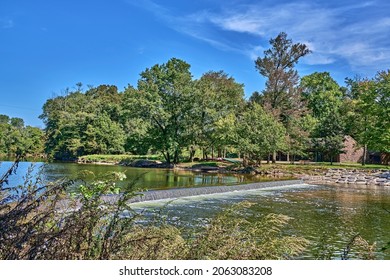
48	46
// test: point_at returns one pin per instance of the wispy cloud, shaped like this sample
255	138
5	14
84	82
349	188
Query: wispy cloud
6	23
355	33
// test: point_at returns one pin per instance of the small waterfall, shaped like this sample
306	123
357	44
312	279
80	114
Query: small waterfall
188	192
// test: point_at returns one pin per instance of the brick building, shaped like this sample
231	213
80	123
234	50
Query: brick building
352	152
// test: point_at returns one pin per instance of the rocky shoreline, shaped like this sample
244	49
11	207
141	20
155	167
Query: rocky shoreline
354	176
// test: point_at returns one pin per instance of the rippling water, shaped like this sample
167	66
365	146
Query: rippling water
327	216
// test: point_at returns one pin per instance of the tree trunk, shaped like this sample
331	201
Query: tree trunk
192	154
244	161
274	157
176	157
167	157
288	157
268	158
364	159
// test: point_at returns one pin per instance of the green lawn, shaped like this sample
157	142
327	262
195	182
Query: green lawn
118	158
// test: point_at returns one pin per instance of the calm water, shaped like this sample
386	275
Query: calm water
328	216
146	178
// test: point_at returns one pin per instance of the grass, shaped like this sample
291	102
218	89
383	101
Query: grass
286	167
117	158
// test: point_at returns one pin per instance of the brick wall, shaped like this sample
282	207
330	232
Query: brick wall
351	152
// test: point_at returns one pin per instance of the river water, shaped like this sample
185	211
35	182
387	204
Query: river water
328	216
145	178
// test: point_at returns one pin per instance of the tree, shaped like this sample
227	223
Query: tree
16	139
103	136
17	123
281	95
33	140
79	123
164	100
382	89
329	135
4	119
322	94
369	113
259	133
217	100
325	99
277	66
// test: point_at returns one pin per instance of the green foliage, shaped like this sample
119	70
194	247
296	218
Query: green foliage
259	133
368	111
217	101
171	114
163	100
105	186
325	99
84	123
17	139
322	93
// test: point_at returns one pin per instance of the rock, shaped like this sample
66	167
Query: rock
143	163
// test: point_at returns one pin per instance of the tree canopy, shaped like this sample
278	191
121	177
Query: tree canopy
171	113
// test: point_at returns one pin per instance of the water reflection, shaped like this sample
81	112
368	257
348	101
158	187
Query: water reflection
152	179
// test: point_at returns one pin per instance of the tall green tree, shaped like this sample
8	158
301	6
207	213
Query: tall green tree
325	99
382	88
217	100
259	133
103	136
369	113
164	100
281	95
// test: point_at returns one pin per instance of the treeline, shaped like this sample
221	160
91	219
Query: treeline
171	113
18	139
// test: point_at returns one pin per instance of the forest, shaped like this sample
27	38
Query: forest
172	114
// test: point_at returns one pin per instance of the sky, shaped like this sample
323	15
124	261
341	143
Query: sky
48	46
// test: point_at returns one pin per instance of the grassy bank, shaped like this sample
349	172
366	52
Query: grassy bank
115	159
234	164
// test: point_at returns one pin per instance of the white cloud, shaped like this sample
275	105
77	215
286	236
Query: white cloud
356	33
